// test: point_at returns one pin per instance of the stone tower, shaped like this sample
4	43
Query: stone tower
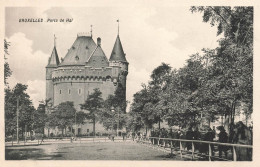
84	68
118	62
52	65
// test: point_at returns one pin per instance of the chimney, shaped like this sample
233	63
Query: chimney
99	41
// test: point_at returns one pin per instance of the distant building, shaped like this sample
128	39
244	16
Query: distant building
84	68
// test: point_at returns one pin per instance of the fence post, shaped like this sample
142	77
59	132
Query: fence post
158	142
234	154
171	147
12	139
193	150
210	153
153	141
181	149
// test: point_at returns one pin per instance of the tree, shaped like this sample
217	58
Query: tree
7	70
160	78
141	115
40	118
231	70
93	105
81	117
63	116
13	97
113	115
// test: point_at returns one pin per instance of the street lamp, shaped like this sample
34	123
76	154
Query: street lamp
75	123
17	119
113	110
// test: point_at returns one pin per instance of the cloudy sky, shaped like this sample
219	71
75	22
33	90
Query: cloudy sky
150	36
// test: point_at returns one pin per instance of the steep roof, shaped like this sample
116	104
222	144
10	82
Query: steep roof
54	59
118	52
80	51
98	58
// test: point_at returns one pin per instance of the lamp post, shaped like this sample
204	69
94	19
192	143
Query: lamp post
17	120
113	110
75	123
117	124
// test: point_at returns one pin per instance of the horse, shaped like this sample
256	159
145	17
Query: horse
243	135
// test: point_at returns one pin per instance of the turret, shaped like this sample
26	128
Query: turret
118	61
53	63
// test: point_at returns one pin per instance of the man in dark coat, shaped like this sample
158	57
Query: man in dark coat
223	138
209	136
196	136
189	136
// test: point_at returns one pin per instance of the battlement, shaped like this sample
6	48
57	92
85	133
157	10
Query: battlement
86	73
84	34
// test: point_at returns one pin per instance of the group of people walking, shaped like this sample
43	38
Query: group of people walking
239	134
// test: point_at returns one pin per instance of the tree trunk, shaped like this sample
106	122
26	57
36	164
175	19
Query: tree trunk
226	123
94	126
22	132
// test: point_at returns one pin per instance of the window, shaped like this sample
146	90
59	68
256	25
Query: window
79	91
69	91
60	91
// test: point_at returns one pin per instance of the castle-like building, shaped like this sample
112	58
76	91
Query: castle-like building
84	68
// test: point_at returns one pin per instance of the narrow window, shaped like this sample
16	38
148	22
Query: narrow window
60	91
79	91
69	91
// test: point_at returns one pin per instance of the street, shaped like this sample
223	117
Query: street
86	151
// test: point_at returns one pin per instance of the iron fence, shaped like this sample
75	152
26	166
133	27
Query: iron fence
180	144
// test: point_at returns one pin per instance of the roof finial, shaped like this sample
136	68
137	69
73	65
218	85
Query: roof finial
91	30
118	27
54	40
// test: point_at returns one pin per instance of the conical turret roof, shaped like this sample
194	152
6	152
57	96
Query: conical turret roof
54	59
118	52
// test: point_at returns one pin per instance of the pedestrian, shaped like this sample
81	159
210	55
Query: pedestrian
42	138
124	135
222	138
189	136
209	136
133	136
196	136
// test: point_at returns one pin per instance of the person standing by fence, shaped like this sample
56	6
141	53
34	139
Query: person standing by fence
189	136
223	138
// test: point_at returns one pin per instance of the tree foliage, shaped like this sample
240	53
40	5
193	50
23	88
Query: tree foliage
218	82
13	98
114	108
62	116
93	105
7	70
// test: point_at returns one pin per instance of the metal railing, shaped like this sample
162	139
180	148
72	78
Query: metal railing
169	143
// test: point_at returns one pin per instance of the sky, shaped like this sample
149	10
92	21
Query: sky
149	35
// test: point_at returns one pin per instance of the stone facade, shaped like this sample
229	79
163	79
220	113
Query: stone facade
84	68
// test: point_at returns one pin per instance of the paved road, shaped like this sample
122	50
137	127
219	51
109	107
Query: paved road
87	151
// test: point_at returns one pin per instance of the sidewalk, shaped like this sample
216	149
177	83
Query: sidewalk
51	141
